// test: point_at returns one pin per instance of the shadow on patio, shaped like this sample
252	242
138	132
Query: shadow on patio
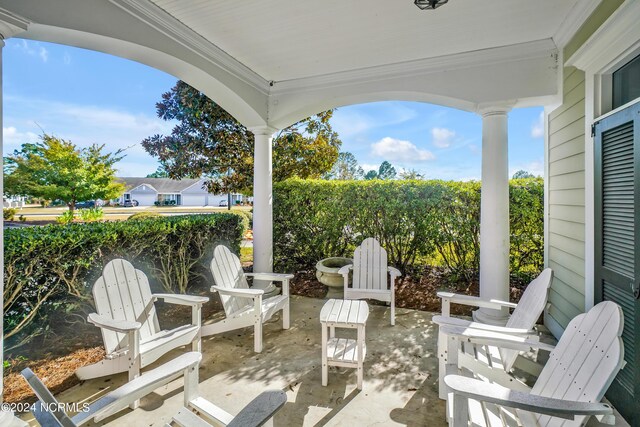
400	378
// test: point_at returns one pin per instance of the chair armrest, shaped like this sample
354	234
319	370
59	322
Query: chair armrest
243	293
479	336
394	272
462	323
139	387
279	277
180	299
260	409
475	301
122	326
496	394
345	269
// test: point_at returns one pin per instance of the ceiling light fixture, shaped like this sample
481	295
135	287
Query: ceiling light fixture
429	4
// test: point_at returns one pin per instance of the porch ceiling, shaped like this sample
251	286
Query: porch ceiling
276	62
283	39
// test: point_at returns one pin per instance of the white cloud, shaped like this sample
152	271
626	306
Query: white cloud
85	125
33	49
12	138
442	137
44	54
398	150
537	129
66	59
355	120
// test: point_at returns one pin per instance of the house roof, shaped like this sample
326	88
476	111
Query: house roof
162	185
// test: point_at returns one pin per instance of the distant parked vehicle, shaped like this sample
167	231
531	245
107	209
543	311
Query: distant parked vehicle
223	203
88	204
130	203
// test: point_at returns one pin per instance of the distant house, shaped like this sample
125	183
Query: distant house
166	191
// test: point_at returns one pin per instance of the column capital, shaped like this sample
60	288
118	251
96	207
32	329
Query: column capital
263	130
495	109
10	25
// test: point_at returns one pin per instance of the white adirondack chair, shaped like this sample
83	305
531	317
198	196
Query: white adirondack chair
244	306
489	361
48	411
370	272
127	318
568	391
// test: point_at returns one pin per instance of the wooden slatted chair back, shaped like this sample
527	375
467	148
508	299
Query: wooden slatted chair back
123	293
585	361
53	415
227	273
370	266
530	307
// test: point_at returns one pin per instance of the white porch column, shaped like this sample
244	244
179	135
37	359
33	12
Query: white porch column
494	214
263	204
6	418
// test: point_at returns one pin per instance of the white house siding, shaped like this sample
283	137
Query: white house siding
144	195
567	202
195	200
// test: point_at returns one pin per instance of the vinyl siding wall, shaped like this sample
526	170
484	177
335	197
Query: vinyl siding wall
566	201
566	190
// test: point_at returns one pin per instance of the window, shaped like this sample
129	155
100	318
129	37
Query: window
626	83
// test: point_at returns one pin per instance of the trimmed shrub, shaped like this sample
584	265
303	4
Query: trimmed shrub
51	269
8	214
418	222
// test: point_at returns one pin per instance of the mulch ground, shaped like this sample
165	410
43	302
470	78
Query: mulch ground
56	356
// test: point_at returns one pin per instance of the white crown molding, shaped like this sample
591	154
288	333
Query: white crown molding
179	32
620	29
503	54
574	20
11	24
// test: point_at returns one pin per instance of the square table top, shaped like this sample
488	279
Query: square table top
345	313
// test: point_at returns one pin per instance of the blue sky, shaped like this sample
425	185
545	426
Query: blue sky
90	97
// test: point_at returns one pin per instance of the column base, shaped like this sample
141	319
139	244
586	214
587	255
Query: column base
490	317
270	290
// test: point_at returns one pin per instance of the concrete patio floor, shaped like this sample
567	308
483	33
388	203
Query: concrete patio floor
400	375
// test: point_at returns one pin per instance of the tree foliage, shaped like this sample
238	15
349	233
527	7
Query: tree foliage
410	174
523	174
345	168
208	141
56	169
385	171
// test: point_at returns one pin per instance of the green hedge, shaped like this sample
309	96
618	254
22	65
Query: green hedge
418	222
52	268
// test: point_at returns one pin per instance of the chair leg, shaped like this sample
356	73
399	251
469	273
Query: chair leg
393	311
257	336
286	316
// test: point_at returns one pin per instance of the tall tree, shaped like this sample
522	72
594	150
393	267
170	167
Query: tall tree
208	141
57	169
345	168
523	174
385	171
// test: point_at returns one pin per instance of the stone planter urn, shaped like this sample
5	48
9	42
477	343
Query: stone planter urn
327	274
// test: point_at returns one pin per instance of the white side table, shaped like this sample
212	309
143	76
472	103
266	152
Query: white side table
345	352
